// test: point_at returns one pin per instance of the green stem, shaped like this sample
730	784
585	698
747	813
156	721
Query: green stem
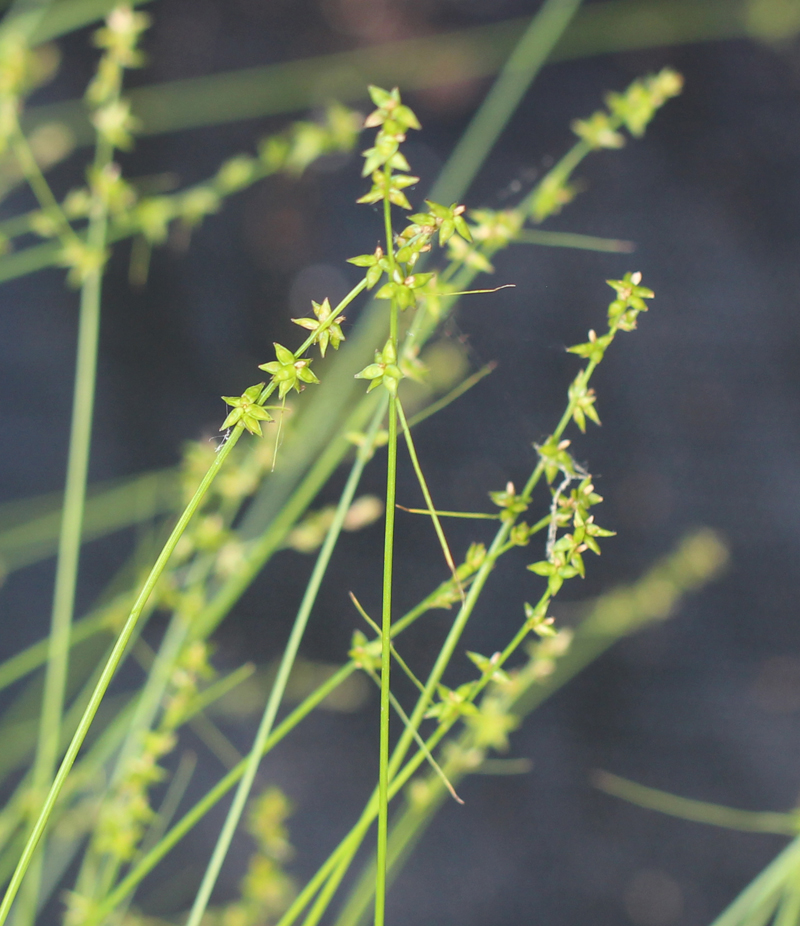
786	824
331	871
789	910
519	71
335	867
279	687
765	889
21	263
386	659
17	225
270	540
69	544
437	525
35	655
551	239
386	597
326	894
398	709
192	817
41	188
98	870
107	674
464	386
448	648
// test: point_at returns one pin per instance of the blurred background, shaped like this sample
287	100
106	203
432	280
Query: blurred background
700	411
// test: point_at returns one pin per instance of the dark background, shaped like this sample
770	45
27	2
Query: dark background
700	427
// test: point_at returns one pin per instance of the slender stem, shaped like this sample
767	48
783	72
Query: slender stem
322	874
469	515
398	709
464	386
789	910
519	71
412	452
201	808
69	543
281	680
35	655
481	577
41	188
386	598
386	659
107	674
98	869
387	223
277	529
787	824
765	889
332	871
21	263
146	865
335	867
335	879
551	239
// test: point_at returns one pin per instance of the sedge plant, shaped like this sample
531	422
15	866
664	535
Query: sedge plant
86	801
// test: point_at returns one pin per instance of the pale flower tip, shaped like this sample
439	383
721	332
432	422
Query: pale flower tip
363	512
510	488
636	278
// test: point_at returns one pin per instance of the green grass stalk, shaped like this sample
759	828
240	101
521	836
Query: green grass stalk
69	544
610	27
551	239
386	596
40	187
412	452
386	658
30	659
516	76
96	874
749	821
63	17
107	674
145	865
789	910
763	893
279	686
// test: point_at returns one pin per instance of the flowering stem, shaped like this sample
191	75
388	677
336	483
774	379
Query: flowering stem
107	674
279	687
69	543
